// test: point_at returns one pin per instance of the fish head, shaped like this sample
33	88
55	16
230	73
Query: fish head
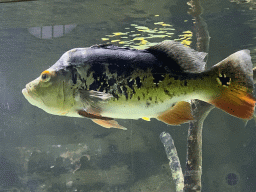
47	92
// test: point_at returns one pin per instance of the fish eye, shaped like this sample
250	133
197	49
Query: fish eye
45	76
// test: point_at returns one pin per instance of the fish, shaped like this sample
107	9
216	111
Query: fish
106	82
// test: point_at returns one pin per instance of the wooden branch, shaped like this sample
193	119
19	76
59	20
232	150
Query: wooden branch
200	110
174	161
254	75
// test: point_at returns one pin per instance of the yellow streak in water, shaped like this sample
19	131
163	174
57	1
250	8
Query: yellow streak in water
141	38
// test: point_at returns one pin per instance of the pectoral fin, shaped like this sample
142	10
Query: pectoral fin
92	116
100	120
92	97
180	113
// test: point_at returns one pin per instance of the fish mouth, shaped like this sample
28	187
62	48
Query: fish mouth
26	93
26	90
30	95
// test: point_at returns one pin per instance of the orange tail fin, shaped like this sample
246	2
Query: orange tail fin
236	102
234	85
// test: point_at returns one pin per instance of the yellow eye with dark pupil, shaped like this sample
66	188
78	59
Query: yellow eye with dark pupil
44	76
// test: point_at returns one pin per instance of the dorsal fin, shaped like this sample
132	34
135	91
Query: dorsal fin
110	46
107	45
188	59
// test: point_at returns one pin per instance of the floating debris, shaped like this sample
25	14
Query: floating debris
115	41
159	23
142	37
186	38
120	33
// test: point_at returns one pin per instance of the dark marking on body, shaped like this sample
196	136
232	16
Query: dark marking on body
83	81
119	90
156	102
138	82
176	78
130	83
111	81
131	95
125	92
115	95
73	72
224	80
167	92
158	78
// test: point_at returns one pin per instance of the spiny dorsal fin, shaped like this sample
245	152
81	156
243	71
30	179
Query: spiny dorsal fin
110	46
188	59
106	46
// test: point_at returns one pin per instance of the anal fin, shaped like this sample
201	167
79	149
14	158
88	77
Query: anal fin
180	113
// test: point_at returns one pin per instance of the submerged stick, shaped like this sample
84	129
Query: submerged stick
193	172
174	161
254	75
200	110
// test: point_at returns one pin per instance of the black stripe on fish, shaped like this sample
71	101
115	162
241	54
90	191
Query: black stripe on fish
167	92
73	73
138	82
156	102
125	92
130	83
115	95
131	95
158	78
111	81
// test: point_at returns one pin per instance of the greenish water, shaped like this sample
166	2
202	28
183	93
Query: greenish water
42	152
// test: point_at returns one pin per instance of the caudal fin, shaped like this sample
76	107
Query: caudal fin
234	85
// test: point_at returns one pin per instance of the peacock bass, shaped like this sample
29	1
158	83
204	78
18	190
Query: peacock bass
106	82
